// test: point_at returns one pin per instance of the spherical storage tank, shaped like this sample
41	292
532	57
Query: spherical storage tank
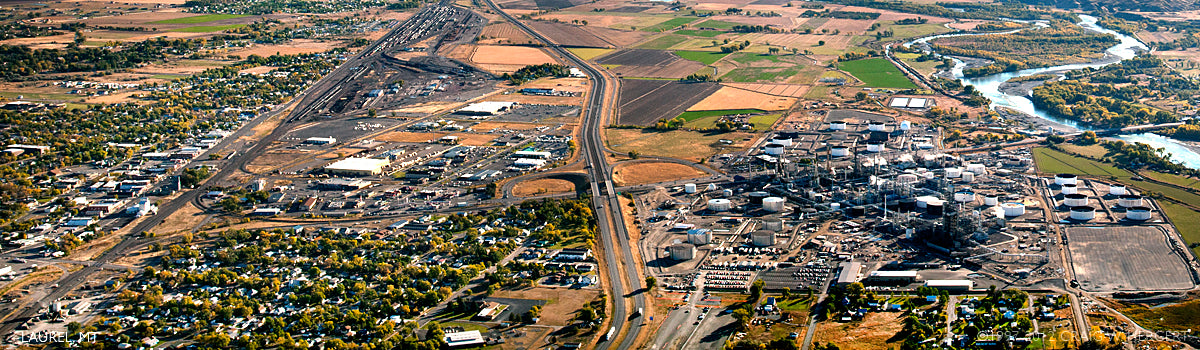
1116	190
1070	189
1083	213
773	149
689	188
991	200
773	204
1065	179
1075	200
964	196
839	151
762	238
875	147
1138	213
783	140
1013	209
876	126
1130	201
719	204
838	125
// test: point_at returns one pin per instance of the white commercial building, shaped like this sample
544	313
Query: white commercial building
486	108
357	166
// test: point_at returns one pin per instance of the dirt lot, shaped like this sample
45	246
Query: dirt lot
294	47
644	102
184	219
1156	37
425	108
680	144
561	303
787	90
405	136
486	126
274	159
872	332
503	33
516	55
647	173
543	186
569	35
735	98
474	139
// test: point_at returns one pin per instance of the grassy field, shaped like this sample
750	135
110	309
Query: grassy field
798	304
588	53
669	24
912	31
877	72
764	122
701	56
761	74
699	33
663	42
693	115
198	19
40	96
715	24
1177	317
1051	161
208	29
1186	220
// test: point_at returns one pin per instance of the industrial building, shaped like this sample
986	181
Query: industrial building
951	285
849	273
488	108
357	167
320	140
892	277
464	339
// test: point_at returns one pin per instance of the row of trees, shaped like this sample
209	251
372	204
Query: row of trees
1098	105
534	72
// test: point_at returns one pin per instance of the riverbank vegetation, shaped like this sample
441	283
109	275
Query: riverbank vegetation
1116	95
1060	43
1186	132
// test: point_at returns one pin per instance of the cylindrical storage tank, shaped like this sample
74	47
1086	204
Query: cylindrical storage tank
1076	200
876	126
1065	179
991	200
1083	213
964	196
762	238
711	187
907	179
783	140
773	204
875	147
1130	201
978	169
835	206
923	201
905	125
756	198
968	177
1013	209
689	188
838	125
839	151
773	225
719	204
953	173
1138	213
1070	189
858	210
1116	190
773	149
681	252
935	208
908	204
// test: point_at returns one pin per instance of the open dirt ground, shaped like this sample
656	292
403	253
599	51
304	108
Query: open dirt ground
487	126
786	90
647	173
1158	37
184	219
503	33
543	186
681	144
644	102
294	47
735	98
474	139
274	159
415	137
871	333
494	54
427	107
561	303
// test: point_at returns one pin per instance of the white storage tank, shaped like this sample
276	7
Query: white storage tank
953	173
905	125
1075	200
773	149
783	140
1083	213
978	169
991	200
727	193
875	147
1117	190
839	151
689	188
699	236
719	204
876	126
773	204
923	201
762	238
964	196
711	187
773	224
682	252
838	125
906	179
1070	189
835	206
968	177
1130	201
1013	209
1138	213
1065	179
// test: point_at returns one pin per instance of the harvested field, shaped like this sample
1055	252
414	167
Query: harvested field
413	137
589	53
543	186
673	70
561	303
519	5
643	102
735	98
1158	37
786	90
847	26
628	174
664	42
650	64
638	57
503	33
682	144
426	108
517	55
569	35
1126	259
294	47
620	38
873	332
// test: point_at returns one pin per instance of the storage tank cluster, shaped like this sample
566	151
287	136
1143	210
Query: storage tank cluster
773	204
1075	200
1138	213
1083	213
762	238
1012	209
1130	201
1065	179
719	204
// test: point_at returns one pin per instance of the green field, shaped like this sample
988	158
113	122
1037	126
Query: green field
702	56
198	19
715	24
877	72
588	53
1052	161
748	58
1186	220
663	42
208	29
761	74
699	33
693	115
764	122
669	24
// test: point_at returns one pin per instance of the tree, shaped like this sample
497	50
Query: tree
756	291
787	293
634	154
743	316
820	42
651	282
861	96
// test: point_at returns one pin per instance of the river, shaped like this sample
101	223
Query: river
1128	47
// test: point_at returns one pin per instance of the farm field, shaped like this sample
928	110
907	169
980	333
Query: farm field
693	115
649	64
208	29
644	102
198	19
588	53
877	72
699	33
515	55
503	33
568	35
760	74
668	24
682	144
664	42
638	173
704	57
774	89
736	98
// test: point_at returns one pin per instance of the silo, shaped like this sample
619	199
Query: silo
773	204
762	238
689	188
1065	179
1138	213
1075	200
719	204
1130	201
1083	213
